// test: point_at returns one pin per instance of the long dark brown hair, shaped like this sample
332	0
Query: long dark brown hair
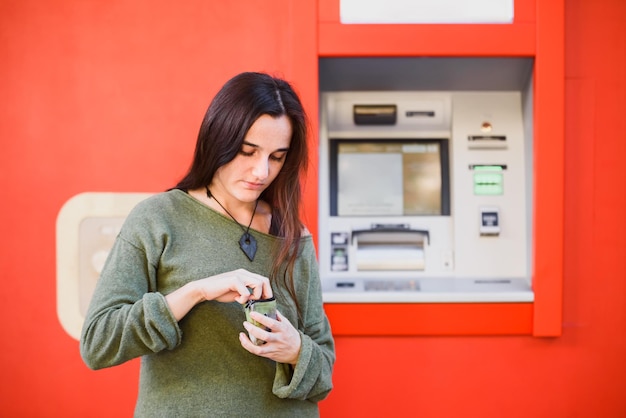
238	104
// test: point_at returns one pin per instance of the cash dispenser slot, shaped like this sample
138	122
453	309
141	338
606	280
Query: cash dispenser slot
390	248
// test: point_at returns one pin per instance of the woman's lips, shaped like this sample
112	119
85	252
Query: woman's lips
254	186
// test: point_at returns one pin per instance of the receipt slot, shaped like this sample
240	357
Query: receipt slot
424	197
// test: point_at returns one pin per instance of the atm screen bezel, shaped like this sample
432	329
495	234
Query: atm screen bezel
444	161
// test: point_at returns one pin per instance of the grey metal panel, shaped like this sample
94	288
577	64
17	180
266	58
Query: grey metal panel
425	73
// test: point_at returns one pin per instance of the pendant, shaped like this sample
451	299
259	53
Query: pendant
248	245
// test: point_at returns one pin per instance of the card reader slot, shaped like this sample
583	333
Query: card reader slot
486	138
487	141
488	167
375	114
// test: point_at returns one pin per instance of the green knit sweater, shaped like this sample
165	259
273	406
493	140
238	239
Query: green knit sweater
196	367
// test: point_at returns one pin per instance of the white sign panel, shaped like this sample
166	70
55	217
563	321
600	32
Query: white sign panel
426	11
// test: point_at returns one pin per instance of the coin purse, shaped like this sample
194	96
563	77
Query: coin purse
266	307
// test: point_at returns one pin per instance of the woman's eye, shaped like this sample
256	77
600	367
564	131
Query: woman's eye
273	157
278	158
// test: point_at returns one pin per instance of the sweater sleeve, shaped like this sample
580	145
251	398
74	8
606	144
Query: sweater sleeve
127	317
311	379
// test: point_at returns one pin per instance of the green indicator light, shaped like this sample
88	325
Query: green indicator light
488	180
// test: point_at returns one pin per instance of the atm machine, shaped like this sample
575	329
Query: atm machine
424	197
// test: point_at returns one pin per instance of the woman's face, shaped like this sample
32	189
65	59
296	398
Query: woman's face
259	161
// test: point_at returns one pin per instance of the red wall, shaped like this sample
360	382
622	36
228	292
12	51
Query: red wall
108	96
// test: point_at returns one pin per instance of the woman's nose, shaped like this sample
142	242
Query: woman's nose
261	168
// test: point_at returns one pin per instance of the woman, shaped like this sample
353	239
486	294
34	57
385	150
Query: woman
186	260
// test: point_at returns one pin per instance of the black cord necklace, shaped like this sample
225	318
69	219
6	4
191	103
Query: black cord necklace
247	241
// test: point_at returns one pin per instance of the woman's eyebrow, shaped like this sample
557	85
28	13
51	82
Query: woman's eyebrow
256	146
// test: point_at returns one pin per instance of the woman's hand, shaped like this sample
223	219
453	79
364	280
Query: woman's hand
282	342
233	286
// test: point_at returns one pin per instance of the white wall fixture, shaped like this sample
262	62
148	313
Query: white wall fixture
87	226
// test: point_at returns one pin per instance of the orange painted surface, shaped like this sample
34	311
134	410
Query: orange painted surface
405	319
549	169
108	96
338	40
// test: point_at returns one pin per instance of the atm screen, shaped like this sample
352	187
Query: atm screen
377	177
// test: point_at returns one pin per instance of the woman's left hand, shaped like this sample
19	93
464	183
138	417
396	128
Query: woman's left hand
282	343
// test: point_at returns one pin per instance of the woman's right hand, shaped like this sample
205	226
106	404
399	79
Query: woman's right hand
233	286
